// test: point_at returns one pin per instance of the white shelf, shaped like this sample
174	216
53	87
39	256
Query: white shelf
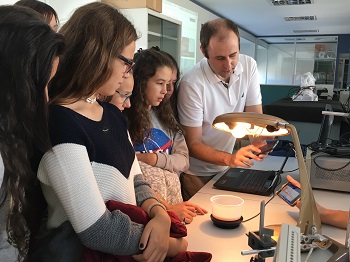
150	33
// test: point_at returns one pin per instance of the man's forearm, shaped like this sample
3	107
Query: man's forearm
209	154
338	218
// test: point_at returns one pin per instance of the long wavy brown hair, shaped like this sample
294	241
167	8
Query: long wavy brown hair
28	48
173	98
95	34
146	64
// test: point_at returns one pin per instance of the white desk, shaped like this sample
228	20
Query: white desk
226	244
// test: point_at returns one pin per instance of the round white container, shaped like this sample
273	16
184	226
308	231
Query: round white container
226	207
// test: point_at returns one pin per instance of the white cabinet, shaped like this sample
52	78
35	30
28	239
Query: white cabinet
156	29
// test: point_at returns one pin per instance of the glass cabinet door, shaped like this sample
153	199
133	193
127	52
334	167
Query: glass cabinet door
164	34
324	65
289	58
154	31
324	71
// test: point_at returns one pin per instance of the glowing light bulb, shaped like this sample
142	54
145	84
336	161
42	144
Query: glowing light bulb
222	126
239	131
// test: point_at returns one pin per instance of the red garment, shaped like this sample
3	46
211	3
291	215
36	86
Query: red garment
136	214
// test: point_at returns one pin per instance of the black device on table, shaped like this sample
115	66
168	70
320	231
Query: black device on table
290	193
251	181
267	147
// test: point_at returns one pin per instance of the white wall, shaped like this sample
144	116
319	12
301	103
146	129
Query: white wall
7	2
139	18
203	16
64	8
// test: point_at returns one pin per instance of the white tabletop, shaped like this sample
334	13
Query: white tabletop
227	244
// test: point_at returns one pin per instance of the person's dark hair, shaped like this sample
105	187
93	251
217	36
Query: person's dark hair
213	28
175	66
146	64
95	35
28	47
46	10
173	98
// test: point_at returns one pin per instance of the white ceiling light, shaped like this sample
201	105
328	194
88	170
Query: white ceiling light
295	39
300	18
290	2
306	31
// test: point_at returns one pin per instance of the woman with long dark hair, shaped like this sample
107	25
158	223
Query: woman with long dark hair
92	160
29	52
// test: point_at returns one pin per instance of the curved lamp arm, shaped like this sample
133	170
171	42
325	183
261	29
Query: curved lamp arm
309	220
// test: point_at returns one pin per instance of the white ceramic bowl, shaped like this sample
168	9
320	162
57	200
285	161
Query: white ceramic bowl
226	207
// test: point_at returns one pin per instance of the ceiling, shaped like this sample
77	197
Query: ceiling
262	19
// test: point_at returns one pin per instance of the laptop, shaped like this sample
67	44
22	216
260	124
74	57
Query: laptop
251	181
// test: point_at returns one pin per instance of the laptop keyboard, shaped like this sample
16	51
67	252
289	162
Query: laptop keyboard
255	181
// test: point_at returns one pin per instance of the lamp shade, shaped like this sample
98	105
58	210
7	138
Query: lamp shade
251	124
266	125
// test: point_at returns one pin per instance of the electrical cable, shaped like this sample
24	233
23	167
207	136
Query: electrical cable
274	194
259	212
330	169
277	184
290	171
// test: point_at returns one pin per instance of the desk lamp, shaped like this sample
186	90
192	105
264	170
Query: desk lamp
246	123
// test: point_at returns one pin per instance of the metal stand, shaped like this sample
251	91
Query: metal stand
261	241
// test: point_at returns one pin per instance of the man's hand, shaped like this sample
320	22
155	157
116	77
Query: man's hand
243	157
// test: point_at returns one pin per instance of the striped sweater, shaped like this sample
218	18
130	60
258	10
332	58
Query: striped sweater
90	163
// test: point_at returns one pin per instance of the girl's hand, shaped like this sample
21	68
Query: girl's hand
177	245
296	183
293	181
155	238
148	158
186	211
321	210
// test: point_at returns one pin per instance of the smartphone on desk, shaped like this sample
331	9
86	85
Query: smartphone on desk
289	193
267	148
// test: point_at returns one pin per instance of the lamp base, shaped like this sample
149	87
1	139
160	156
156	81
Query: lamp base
340	252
